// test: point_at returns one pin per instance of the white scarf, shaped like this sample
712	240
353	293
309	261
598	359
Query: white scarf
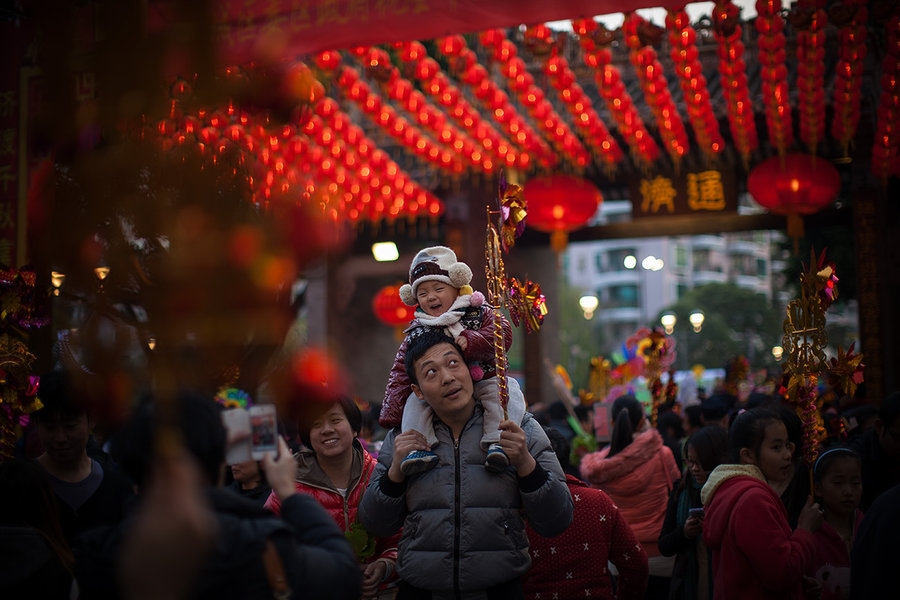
449	320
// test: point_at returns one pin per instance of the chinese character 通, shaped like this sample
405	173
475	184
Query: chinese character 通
705	191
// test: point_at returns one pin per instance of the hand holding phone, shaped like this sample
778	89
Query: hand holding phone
694	524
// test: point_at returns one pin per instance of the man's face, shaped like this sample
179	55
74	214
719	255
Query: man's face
64	437
444	382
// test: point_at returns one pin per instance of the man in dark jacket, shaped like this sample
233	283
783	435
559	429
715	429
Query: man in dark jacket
89	492
463	531
251	554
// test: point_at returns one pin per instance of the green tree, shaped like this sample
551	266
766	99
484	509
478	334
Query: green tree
737	321
580	339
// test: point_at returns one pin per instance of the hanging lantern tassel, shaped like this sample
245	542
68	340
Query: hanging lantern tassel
795	229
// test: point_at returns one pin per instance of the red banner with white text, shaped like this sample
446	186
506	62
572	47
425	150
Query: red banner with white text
249	29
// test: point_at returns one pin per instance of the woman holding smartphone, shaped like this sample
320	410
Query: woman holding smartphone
682	531
334	468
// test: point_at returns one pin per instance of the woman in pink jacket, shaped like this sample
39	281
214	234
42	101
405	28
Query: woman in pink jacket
637	471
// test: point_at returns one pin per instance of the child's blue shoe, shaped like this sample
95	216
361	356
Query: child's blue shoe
496	460
418	461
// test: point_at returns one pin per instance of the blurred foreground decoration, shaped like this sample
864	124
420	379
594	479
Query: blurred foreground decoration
804	343
22	308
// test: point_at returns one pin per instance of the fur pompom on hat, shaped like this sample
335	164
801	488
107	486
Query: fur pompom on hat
437	263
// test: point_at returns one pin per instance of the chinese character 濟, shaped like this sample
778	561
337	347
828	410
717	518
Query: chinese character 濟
657	192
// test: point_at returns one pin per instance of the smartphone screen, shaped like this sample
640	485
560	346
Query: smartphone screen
263	430
696	512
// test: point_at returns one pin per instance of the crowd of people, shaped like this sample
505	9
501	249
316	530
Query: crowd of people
461	499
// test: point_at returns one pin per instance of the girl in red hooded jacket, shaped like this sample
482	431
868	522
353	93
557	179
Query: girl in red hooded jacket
755	555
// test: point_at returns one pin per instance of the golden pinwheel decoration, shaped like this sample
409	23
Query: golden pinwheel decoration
525	301
804	342
804	337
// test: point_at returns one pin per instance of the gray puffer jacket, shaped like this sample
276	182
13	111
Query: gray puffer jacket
463	526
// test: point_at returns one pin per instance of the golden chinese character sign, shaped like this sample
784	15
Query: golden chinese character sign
706	191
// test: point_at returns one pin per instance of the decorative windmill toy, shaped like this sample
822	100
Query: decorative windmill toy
523	299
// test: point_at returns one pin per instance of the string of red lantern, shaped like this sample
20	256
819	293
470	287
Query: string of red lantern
886	149
426	114
609	83
494	147
324	149
360	149
314	164
376	169
579	105
685	56
848	73
533	99
810	22
386	118
656	90
733	71
773	72
483	87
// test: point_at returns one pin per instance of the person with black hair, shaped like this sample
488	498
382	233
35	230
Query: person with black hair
249	481
716	409
754	552
668	422
335	469
692	419
682	531
251	552
559	565
463	527
89	494
638	472
794	490
37	560
838	485
879	449
873	560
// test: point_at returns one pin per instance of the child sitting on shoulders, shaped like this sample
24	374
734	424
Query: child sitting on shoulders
439	288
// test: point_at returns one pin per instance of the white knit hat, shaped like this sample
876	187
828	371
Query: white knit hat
437	263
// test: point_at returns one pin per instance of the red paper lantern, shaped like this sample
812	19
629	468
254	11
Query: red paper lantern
390	309
794	185
559	204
